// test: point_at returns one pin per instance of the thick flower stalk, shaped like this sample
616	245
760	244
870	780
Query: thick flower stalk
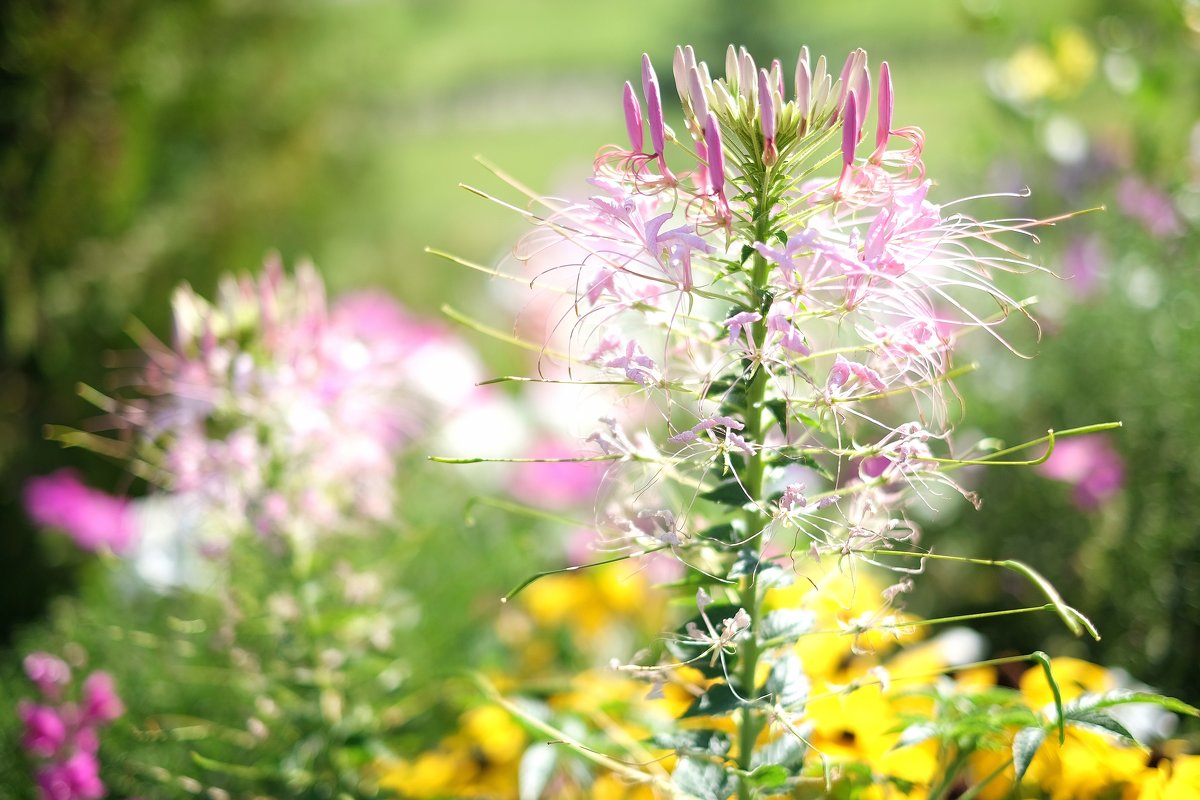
779	299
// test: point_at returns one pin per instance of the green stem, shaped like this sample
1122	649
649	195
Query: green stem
751	721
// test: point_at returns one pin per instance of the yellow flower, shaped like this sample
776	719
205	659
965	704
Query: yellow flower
432	774
1172	779
493	731
1088	765
613	787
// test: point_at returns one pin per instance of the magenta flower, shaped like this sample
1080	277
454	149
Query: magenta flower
49	673
100	703
45	729
95	520
1089	464
77	778
63	736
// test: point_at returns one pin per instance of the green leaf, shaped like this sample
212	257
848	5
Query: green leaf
787	683
787	751
536	769
798	456
717	701
726	532
703	779
768	776
1044	660
785	625
1025	747
915	734
1096	720
727	493
1119	697
706	742
783	412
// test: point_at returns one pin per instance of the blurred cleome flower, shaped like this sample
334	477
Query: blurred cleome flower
270	411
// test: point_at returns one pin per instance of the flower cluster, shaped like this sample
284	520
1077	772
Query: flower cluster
275	411
759	303
778	297
63	736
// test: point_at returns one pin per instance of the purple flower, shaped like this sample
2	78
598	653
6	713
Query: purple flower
1090	465
92	518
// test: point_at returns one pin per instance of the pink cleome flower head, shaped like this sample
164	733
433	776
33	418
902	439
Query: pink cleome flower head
93	519
783	282
273	411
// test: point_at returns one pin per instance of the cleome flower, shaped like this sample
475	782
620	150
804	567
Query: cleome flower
795	296
270	411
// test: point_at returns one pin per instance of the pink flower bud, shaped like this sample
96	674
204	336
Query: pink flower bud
633	119
716	155
886	103
849	129
766	102
654	110
698	97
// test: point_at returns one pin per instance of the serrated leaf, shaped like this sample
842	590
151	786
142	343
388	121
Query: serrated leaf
703	779
728	493
1119	697
716	743
785	625
786	751
747	563
1097	720
536	769
915	734
717	701
1025	747
787	683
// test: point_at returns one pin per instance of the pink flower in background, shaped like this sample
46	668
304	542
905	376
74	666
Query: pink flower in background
100	702
273	411
49	673
557	484
77	778
45	730
62	736
1084	261
92	518
1090	465
1150	206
